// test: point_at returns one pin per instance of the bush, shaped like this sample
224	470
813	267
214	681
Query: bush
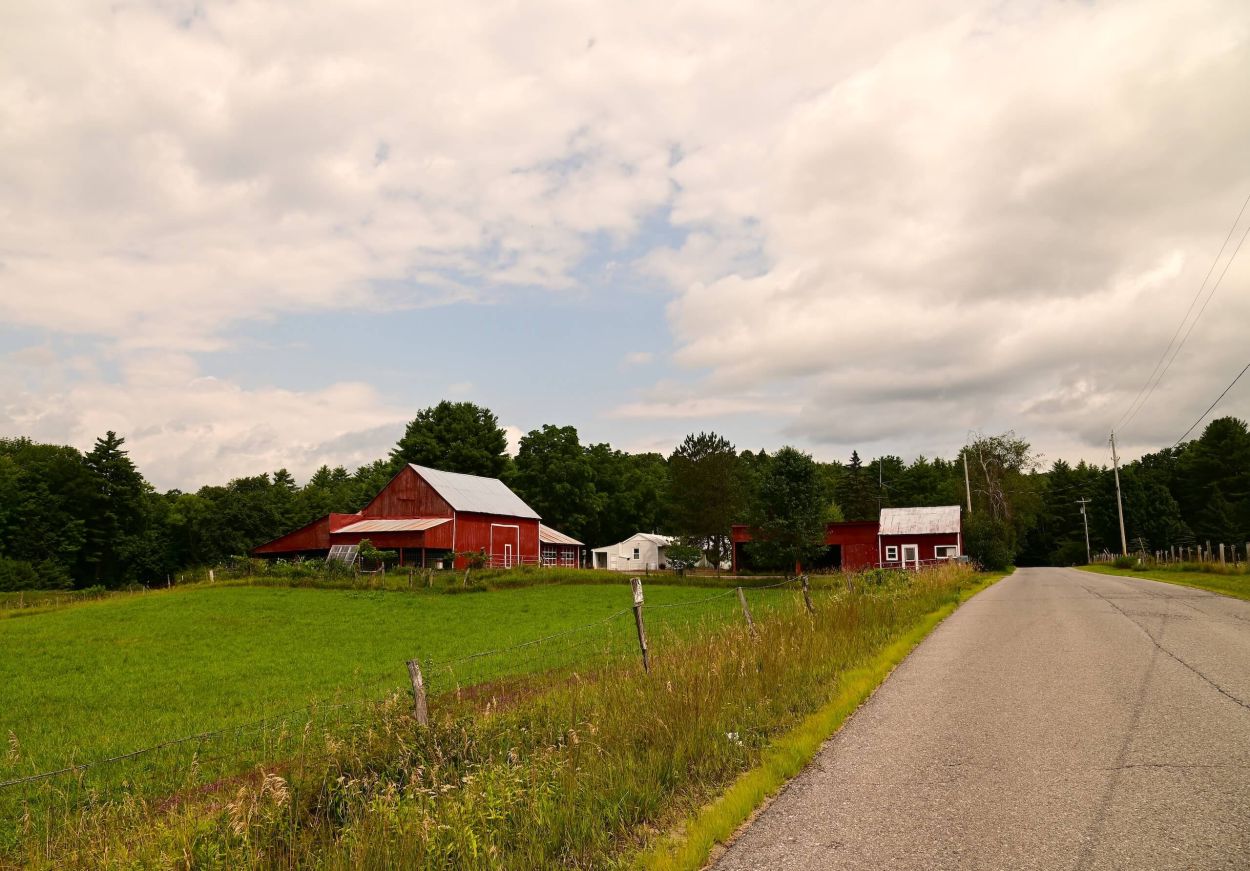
989	542
17	575
1124	562
21	575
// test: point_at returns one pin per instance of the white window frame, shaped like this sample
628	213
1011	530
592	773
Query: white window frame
637	554
945	551
891	553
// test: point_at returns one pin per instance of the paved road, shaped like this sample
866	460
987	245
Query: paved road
1058	720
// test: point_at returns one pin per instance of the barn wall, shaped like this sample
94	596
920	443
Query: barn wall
473	533
407	495
926	542
313	536
856	538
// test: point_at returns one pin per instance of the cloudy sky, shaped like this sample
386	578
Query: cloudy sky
249	234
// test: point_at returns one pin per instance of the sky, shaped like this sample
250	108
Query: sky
252	235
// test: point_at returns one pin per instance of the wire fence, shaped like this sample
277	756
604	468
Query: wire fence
218	760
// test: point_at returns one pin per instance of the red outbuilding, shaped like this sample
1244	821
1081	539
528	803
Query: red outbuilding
427	515
903	537
910	537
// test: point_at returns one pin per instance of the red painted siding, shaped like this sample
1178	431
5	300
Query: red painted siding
407	495
926	544
489	533
313	536
856	538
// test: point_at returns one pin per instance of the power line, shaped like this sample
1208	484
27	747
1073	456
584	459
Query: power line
1152	382
1212	405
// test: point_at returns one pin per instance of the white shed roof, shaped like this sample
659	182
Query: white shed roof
476	494
919	521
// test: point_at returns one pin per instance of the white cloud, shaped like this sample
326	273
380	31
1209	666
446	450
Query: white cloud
899	224
184	429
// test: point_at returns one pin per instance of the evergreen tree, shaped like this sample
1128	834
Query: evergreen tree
117	521
704	495
858	491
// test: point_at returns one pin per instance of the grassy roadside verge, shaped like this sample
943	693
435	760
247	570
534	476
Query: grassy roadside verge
585	771
1235	585
716	822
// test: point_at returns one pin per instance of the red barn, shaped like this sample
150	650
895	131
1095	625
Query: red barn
902	537
425	514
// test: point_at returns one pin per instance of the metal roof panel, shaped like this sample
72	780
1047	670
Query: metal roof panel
920	521
547	535
415	524
475	493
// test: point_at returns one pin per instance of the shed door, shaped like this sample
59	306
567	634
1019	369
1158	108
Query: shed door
911	554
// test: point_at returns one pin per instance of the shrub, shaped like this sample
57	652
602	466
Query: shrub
1124	562
17	575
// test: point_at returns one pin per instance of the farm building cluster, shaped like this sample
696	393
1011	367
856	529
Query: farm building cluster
435	518
901	538
446	519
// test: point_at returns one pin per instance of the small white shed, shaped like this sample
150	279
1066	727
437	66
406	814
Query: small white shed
639	552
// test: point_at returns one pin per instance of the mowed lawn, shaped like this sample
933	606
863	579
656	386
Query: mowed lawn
108	677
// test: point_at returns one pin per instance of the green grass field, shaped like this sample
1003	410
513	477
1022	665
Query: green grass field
101	678
1236	585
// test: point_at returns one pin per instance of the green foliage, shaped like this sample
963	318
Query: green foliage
790	525
554	474
704	492
683	556
371	554
1124	562
454	437
857	492
989	541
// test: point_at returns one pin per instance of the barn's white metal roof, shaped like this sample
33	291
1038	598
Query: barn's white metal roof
547	535
415	524
919	521
476	494
659	540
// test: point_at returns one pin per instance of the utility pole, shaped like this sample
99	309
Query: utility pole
967	482
1085	520
1119	500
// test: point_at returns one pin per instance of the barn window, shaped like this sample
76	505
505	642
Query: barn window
636	553
891	553
945	551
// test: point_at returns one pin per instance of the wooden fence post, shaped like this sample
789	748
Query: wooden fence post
211	579
636	584
807	596
1221	553
742	597
420	706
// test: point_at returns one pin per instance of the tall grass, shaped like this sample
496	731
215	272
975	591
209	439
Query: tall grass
579	768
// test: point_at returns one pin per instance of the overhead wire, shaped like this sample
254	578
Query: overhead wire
1211	406
1152	382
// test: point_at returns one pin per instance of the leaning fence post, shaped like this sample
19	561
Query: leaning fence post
807	596
746	611
636	584
420	706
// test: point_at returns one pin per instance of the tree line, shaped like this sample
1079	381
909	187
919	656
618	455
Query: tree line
69	518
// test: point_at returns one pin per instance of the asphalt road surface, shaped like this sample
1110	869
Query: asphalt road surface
1059	720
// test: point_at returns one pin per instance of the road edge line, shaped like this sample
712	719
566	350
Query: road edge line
717	822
